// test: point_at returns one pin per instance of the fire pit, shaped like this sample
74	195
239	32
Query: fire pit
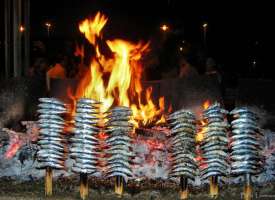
109	127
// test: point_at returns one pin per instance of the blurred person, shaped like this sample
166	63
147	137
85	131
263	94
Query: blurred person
187	69
212	69
81	68
39	68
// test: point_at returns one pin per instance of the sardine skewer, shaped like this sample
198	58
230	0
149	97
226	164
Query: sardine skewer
246	137
51	153
119	127
183	145
85	142
214	146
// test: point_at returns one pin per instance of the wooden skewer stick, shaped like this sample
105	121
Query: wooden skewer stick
119	185
49	182
183	187
247	187
214	189
84	189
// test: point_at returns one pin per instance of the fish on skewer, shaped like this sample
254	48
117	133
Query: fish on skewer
246	158
183	131
214	146
118	127
52	152
84	149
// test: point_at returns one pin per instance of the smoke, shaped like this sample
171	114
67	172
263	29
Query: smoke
11	112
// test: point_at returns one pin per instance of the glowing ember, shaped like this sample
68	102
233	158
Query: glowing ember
18	139
155	144
15	144
117	80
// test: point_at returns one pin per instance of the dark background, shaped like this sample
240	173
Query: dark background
238	33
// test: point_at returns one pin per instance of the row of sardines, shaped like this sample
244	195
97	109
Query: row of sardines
85	147
226	148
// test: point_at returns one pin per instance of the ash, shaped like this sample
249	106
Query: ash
151	161
152	158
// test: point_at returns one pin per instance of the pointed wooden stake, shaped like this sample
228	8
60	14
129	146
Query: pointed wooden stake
119	185
49	182
83	189
183	188
214	189
248	187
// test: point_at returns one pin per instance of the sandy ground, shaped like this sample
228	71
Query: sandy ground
68	189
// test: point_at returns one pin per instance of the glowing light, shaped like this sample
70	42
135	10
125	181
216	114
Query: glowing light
48	24
21	28
206	104
164	27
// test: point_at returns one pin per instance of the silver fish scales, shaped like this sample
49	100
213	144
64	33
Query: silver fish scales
118	127
183	129
214	146
245	146
50	140
84	149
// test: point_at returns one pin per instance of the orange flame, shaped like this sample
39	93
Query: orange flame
206	104
92	27
117	80
79	51
200	134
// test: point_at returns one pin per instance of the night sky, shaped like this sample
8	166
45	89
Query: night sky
236	33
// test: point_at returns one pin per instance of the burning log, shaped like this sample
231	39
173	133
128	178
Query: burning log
118	126
84	146
51	153
245	144
183	125
214	146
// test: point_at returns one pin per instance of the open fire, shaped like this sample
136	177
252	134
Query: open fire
116	80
